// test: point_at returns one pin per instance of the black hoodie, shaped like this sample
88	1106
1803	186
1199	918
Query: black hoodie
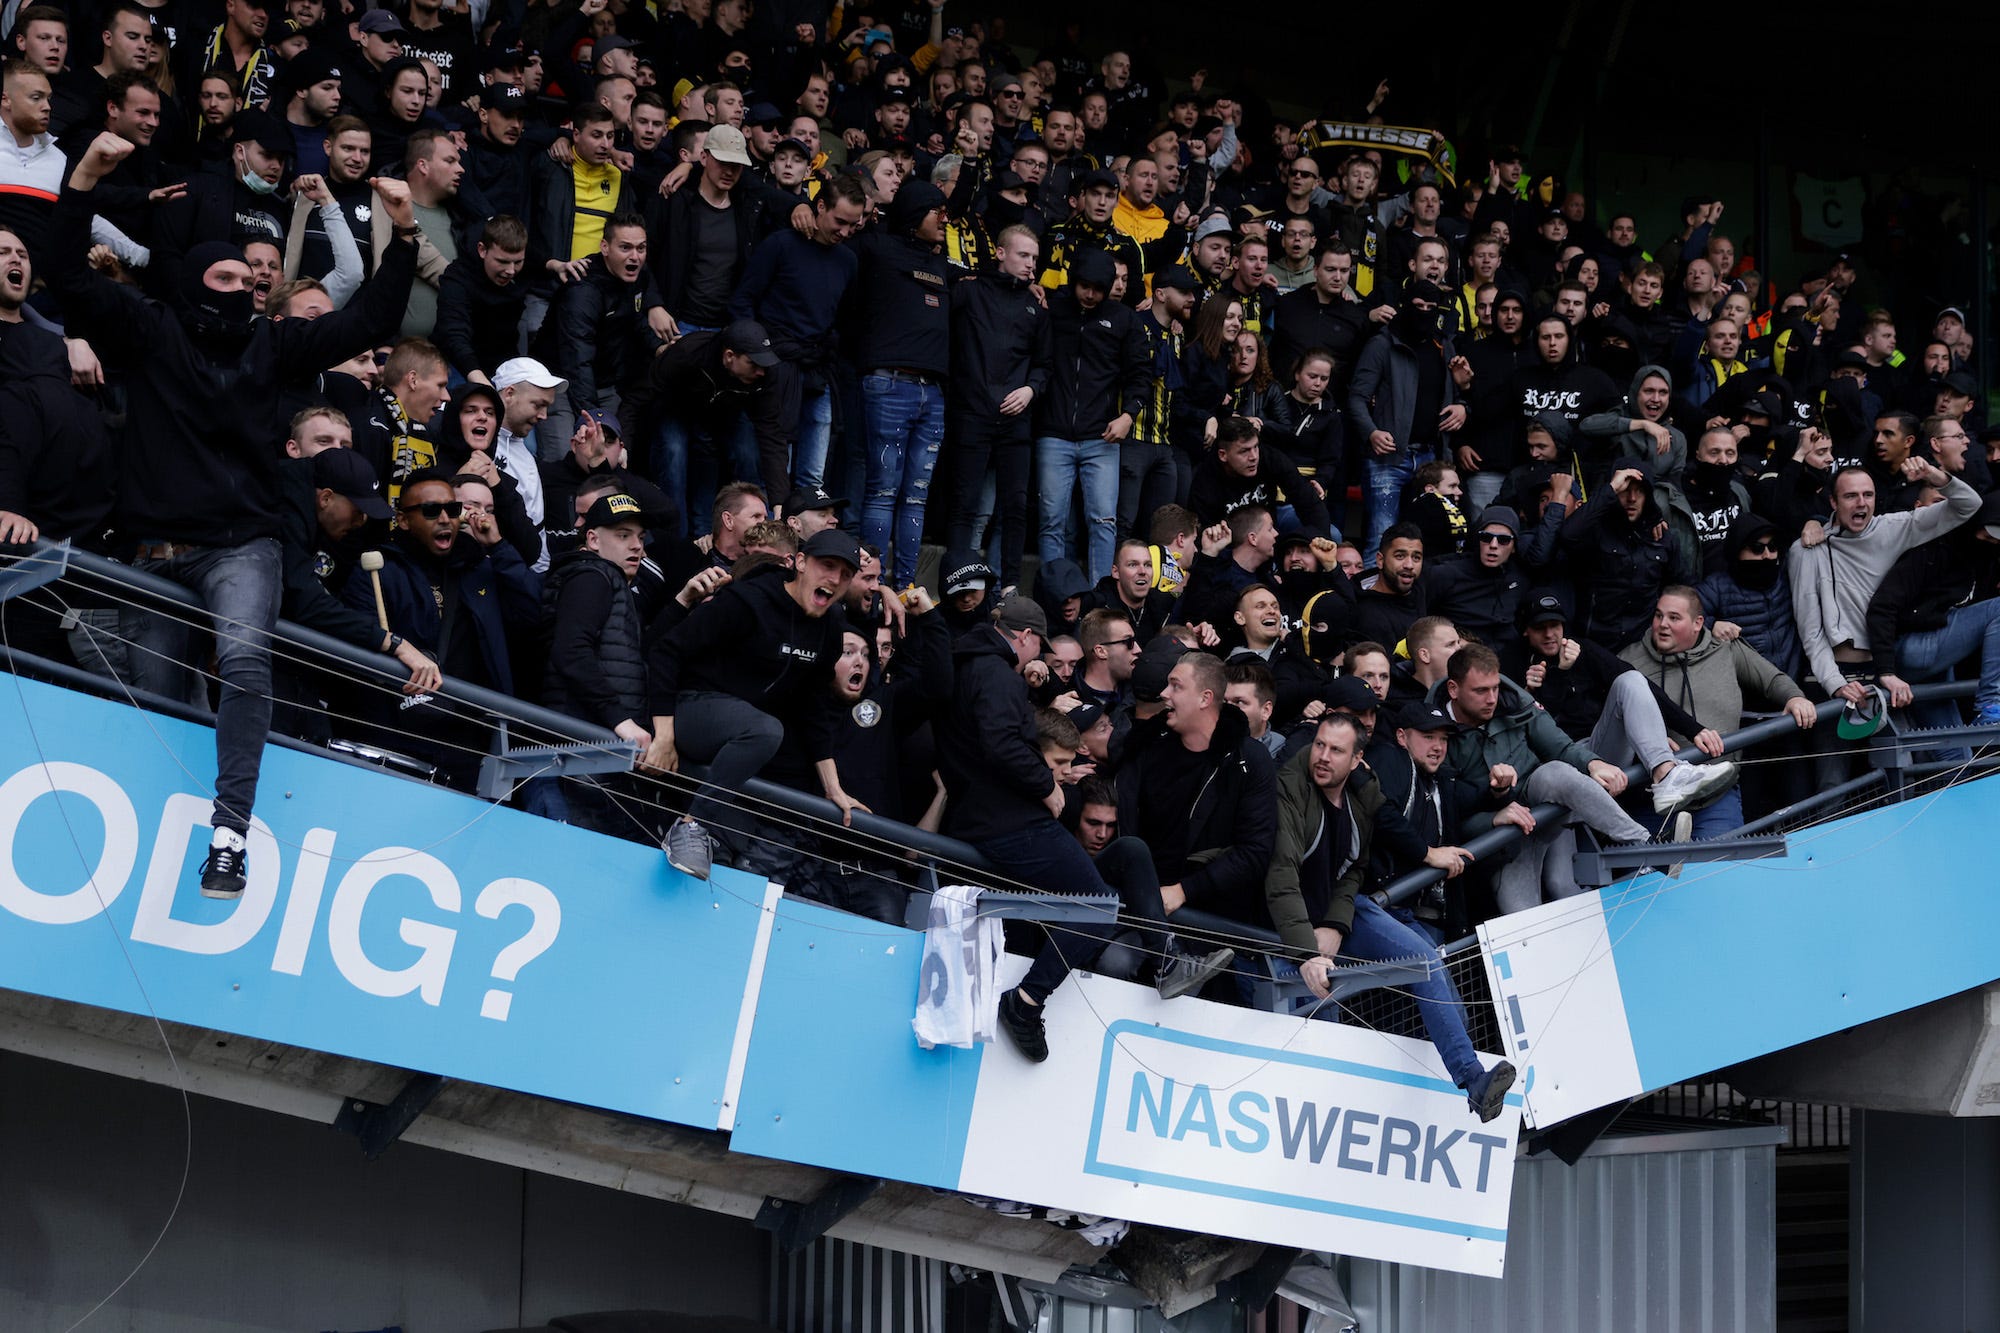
903	294
55	455
753	642
986	745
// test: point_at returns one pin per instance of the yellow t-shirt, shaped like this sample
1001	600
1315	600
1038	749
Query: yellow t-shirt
596	196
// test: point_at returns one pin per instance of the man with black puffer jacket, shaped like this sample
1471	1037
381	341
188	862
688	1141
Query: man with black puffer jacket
1480	592
727	681
199	489
597	660
1005	799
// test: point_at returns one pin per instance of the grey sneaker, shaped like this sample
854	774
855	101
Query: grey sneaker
1678	829
689	849
1686	787
1186	973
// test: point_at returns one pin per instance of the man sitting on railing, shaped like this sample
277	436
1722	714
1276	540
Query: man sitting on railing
1005	796
1708	678
1329	812
1511	749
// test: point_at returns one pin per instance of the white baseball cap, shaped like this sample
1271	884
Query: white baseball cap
526	370
725	144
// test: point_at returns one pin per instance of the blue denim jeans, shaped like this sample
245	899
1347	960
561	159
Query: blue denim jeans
1059	466
905	432
688	468
1386	475
240	585
1931	654
815	436
1379	935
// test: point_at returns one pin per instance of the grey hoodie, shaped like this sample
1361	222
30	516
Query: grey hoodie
1832	583
1627	443
1710	679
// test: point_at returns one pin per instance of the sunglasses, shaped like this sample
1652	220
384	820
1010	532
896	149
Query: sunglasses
1763	544
432	509
1497	538
381	358
1121	643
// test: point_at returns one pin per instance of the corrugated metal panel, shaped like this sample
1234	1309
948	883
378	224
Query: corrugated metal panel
1634	1239
836	1286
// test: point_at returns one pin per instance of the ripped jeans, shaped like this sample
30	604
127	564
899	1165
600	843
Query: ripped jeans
905	431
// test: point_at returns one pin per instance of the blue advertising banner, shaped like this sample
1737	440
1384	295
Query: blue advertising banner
383	920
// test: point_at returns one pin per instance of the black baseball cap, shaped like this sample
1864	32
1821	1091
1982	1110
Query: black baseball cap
1425	717
895	92
1086	180
763	113
504	99
263	129
746	337
1177	278
834	544
347	473
1156	662
1544	609
805	500
381	22
610	510
1351	693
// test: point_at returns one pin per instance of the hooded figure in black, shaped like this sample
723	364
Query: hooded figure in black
1718	500
1557	382
1489	442
464	441
1059	587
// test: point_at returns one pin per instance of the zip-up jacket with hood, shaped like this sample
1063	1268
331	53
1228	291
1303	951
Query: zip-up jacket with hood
754	642
1222	845
510	509
1383	392
1832	583
56	458
198	466
597	662
1294	906
903	294
992	765
1480	602
1099	366
312	569
1519	734
999	342
1313	435
1711	679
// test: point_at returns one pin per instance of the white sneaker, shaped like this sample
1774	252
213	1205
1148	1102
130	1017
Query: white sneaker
1685	786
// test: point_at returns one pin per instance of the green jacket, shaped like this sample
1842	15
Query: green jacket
1519	734
1300	824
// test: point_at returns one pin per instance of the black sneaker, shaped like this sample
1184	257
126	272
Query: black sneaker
1186	973
1488	1093
1024	1024
222	872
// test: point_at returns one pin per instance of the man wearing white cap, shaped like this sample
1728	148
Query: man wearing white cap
527	387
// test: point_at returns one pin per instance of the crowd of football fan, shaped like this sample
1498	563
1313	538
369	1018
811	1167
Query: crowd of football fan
1305	510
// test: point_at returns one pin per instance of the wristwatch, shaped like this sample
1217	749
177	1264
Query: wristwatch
395	642
409	233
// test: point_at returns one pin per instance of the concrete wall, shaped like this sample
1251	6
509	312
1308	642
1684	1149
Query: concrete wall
1926	1223
285	1226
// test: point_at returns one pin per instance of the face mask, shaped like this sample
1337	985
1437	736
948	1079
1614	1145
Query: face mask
1756	575
257	184
1711	476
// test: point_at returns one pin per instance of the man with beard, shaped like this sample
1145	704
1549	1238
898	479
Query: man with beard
1388	602
728	681
199	490
346	147
131	108
604	327
453	590
1331	812
497	160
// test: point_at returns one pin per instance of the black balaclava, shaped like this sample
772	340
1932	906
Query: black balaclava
1415	325
1756	575
212	318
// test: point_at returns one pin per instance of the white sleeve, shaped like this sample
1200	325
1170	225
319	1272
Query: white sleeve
345	279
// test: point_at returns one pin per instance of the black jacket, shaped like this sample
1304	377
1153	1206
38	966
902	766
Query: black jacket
1226	838
1099	368
994	774
902	299
485	592
1480	602
753	642
689	384
597	662
496	181
1383	618
1147	621
1000	341
672	221
56	460
313	568
552	228
1314	437
199	466
478	324
1306	322
1921	590
596	335
1217	492
1575	696
1622	567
